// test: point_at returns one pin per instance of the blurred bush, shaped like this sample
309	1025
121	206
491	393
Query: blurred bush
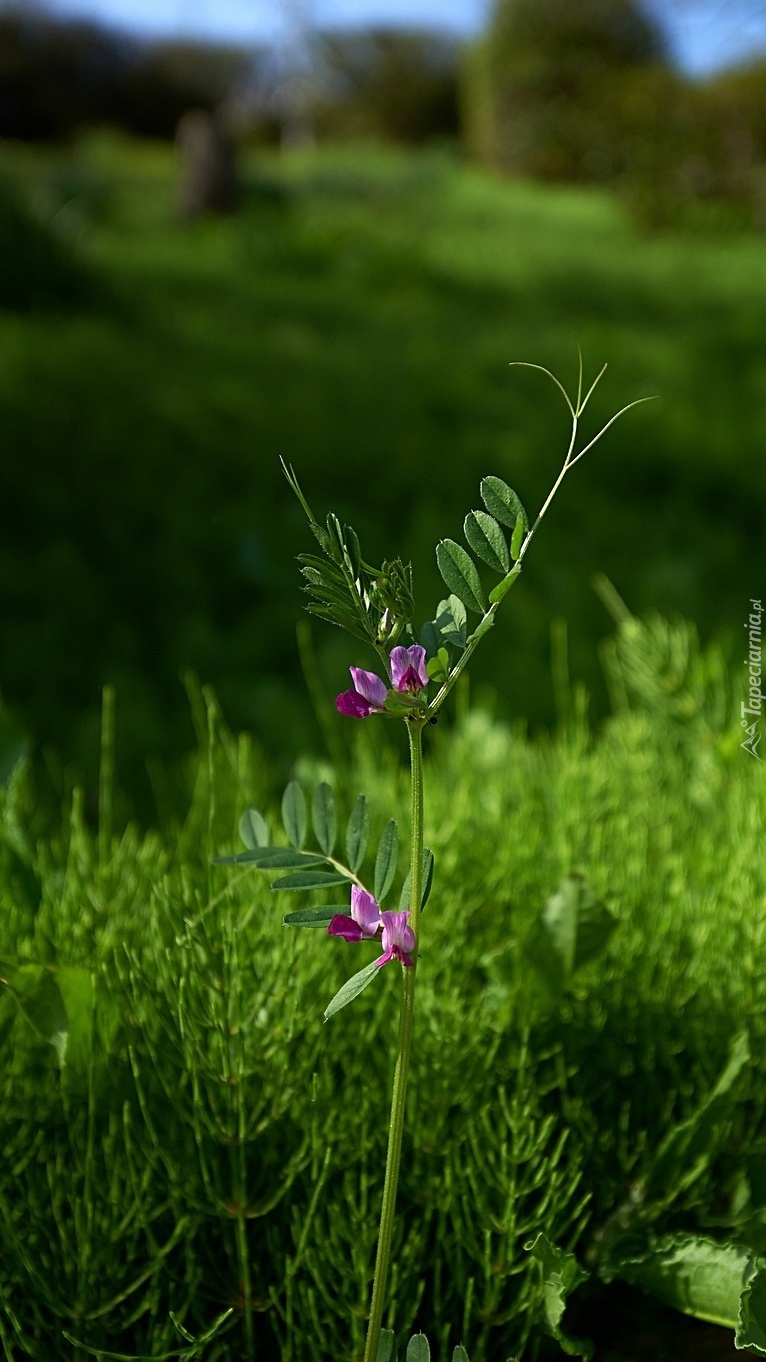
541	86
588	93
392	84
40	269
60	75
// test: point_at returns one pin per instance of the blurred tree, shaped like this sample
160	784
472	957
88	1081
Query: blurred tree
692	148
57	76
400	85
542	89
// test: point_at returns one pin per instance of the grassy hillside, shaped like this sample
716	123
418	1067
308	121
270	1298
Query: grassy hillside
357	318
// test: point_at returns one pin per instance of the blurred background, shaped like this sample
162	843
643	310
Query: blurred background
234	231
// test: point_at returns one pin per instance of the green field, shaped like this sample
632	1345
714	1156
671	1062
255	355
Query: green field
192	1161
356	318
210	1142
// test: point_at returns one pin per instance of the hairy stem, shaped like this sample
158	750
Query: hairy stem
406	1018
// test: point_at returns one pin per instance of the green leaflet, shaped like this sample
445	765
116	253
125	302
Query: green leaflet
357	833
325	817
459	572
502	502
295	814
311	879
272	858
500	590
450	622
315	917
438	666
386	1346
482	628
351	989
427	880
517	537
418	1349
253	830
487	540
385	861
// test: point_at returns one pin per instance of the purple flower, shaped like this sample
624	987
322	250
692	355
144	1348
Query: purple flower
364	921
398	938
367	697
408	673
408	668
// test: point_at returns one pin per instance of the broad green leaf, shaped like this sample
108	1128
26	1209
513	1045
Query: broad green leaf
500	590
459	1354
315	917
325	817
357	833
689	1272
385	861
459	572
68	1007
572	929
295	814
502	502
487	540
386	1346
560	1275
418	1349
38	997
450	622
311	879
351	989
253	830
517	538
273	858
751	1319
427	880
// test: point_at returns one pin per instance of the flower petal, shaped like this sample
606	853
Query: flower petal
370	686
397	931
408	668
365	910
342	925
354	705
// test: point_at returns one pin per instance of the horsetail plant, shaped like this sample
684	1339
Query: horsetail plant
416	672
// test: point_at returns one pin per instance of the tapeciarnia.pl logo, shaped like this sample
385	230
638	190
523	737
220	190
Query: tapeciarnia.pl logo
752	708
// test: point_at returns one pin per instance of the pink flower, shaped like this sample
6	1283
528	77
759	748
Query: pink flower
367	697
408	673
408	668
398	938
366	920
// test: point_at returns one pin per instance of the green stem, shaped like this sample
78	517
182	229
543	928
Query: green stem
406	1018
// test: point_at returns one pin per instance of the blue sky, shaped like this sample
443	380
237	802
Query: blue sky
705	34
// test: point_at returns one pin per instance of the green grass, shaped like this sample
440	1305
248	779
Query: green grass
211	1141
356	318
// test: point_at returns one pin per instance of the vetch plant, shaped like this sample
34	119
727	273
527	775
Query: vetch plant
415	673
